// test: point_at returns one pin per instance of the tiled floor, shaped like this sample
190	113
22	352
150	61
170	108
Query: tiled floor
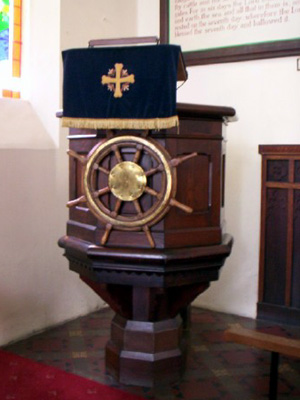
215	369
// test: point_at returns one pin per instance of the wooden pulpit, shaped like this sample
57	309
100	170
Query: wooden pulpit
145	226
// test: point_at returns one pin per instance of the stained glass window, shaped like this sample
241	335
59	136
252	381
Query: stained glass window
10	47
4	29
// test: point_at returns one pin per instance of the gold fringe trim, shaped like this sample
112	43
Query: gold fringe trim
118	123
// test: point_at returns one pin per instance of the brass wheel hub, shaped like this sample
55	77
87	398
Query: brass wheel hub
127	181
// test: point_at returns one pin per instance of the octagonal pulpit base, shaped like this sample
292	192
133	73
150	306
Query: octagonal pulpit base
145	353
148	289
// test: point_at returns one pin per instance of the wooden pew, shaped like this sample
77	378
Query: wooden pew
265	341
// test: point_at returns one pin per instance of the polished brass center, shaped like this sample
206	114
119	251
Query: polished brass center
127	181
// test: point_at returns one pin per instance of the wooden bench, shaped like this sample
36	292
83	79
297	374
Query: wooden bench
265	341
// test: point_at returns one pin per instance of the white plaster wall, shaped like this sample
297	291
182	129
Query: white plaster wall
37	289
83	20
21	128
40	62
265	94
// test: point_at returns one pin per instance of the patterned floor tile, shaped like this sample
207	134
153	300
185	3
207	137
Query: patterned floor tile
215	369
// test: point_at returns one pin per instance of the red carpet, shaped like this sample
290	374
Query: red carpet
23	379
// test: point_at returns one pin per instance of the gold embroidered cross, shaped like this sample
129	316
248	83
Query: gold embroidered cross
117	78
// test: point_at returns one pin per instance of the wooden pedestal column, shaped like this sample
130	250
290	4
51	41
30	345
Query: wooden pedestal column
145	353
148	289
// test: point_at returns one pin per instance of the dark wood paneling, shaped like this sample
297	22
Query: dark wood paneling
297	171
295	295
277	170
275	246
279	277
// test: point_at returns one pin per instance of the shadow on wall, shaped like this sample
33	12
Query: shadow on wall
32	219
21	127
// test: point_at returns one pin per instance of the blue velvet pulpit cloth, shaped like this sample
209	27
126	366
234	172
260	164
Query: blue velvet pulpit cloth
121	87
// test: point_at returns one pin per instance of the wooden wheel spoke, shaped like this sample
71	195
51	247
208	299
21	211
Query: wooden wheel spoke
102	169
183	207
138	153
178	160
109	133
106	234
149	235
152	192
117	152
145	133
116	210
75	202
101	192
81	159
153	171
138	207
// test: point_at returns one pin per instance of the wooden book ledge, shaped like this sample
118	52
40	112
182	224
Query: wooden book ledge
265	341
